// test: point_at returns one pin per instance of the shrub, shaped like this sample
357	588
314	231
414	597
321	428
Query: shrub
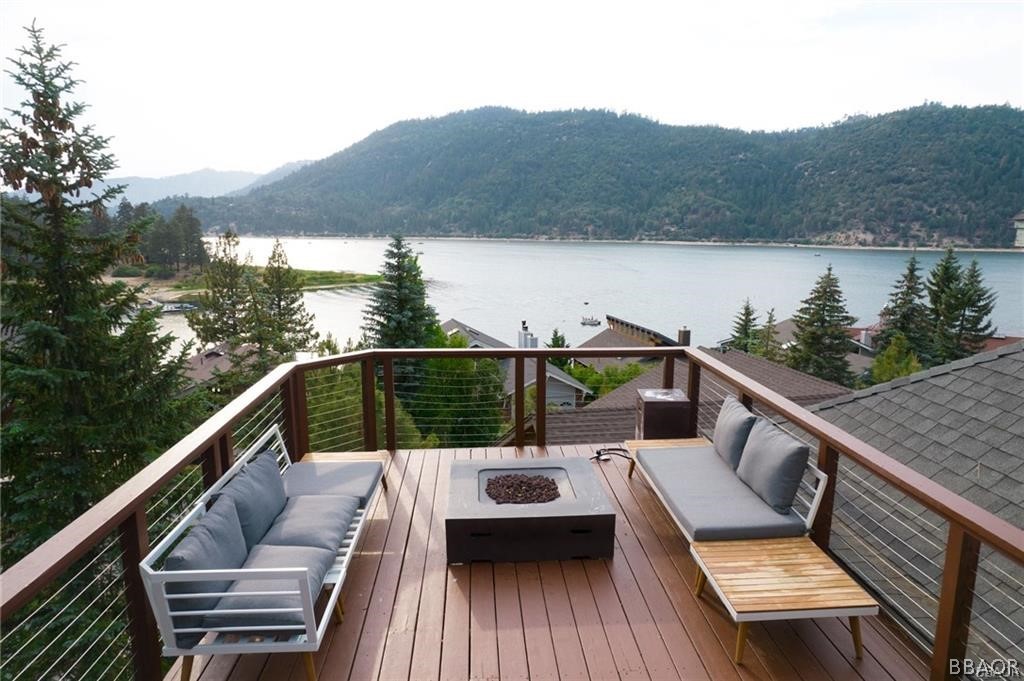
127	271
159	272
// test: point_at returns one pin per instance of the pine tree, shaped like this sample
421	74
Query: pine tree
976	303
820	340
959	309
744	328
558	341
89	387
286	311
944	308
897	360
398	315
767	343
906	313
190	234
222	305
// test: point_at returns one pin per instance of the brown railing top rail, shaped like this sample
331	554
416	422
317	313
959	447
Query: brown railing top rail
984	525
22	581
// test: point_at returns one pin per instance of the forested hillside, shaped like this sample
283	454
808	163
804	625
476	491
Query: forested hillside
920	176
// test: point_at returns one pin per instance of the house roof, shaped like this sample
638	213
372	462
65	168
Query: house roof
479	339
795	385
474	338
959	423
622	334
203	366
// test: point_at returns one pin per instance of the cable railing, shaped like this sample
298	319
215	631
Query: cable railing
952	568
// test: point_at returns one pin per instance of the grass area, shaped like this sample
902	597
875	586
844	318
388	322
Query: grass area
308	279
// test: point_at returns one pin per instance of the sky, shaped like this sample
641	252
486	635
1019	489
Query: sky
250	86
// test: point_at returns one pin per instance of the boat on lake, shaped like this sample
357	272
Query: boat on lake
590	321
173	308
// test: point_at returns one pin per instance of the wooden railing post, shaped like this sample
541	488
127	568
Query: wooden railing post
291	418
693	394
745	399
828	463
540	420
955	602
390	427
211	466
225	451
519	407
369	405
668	373
301	414
145	640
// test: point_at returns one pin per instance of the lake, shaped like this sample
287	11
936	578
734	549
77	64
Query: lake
493	285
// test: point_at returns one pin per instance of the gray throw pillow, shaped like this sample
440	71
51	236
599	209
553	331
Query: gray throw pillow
773	464
258	492
215	542
731	430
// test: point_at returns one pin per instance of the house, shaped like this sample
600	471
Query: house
562	389
204	366
962	425
862	352
623	334
612	417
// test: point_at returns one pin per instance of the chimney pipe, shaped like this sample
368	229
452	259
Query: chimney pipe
684	337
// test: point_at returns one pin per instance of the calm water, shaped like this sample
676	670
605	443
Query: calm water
493	285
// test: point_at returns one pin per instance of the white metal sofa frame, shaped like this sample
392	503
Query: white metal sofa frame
817	493
306	638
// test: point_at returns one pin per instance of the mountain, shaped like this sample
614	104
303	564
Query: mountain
923	175
273	176
205	182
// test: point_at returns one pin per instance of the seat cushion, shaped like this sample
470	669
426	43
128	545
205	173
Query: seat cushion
732	429
215	542
703	493
346	478
773	464
319	520
317	561
259	495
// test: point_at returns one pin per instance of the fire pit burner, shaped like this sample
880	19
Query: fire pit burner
516	488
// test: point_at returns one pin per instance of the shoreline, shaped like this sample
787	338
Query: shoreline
710	244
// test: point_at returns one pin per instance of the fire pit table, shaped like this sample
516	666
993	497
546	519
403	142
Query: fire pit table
578	523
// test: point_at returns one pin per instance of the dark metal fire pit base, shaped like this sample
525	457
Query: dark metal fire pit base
579	524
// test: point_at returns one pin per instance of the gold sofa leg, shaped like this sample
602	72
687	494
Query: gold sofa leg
307	659
186	667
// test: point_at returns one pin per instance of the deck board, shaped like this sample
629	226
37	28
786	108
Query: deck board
409	615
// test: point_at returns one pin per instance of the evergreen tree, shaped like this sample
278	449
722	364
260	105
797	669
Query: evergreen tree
89	389
976	302
744	329
960	305
897	360
906	313
558	341
398	315
767	343
222	306
943	308
286	312
190	237
820	340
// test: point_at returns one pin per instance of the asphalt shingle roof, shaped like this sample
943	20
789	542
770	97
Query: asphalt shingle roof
964	416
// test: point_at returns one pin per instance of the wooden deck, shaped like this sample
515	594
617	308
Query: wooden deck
411	616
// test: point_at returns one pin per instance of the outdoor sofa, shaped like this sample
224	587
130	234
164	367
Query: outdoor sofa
243	570
741	486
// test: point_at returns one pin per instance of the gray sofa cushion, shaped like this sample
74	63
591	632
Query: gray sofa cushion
702	491
319	520
346	478
732	429
773	464
215	542
259	495
317	561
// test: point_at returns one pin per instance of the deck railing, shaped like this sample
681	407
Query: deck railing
354	402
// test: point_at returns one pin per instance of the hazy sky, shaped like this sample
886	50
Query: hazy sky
249	86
